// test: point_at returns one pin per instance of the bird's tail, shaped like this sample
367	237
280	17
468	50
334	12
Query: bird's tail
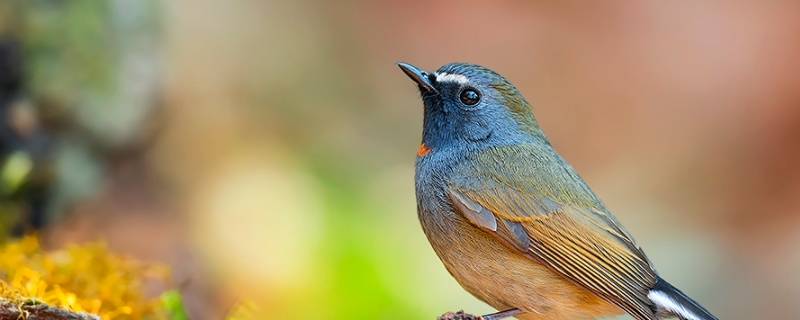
672	302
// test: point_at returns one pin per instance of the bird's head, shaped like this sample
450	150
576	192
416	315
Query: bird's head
471	106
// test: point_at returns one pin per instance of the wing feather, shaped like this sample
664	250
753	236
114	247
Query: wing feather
575	235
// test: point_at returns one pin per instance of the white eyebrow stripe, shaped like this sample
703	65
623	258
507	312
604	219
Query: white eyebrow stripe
451	77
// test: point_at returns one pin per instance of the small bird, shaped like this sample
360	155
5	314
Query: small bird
513	222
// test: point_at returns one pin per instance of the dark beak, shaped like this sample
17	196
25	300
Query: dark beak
419	76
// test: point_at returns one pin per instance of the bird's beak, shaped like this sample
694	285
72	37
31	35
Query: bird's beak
419	76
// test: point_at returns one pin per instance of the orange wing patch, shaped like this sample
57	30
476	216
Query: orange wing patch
423	150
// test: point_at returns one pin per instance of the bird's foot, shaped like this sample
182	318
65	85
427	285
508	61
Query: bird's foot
460	315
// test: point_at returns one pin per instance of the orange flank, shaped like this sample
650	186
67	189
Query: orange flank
423	150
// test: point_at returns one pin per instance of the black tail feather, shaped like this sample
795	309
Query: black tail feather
673	302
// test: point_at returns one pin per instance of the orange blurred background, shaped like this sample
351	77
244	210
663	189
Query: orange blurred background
268	146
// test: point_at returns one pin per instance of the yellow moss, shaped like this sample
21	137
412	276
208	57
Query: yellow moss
85	278
245	311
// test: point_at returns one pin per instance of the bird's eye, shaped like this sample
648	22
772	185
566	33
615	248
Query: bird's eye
470	96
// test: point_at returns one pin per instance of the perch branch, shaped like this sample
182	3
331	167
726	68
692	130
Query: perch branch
31	310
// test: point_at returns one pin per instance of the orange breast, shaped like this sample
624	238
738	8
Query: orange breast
503	278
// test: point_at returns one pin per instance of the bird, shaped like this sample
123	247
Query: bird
513	222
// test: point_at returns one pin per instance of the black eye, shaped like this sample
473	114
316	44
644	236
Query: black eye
470	96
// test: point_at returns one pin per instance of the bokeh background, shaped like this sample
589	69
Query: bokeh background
264	150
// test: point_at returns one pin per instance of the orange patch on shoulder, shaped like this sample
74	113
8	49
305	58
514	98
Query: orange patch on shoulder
423	150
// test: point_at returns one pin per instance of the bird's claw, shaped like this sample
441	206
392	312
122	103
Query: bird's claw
460	315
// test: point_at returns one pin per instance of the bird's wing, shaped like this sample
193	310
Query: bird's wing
545	211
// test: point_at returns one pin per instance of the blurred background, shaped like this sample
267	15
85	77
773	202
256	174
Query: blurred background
264	150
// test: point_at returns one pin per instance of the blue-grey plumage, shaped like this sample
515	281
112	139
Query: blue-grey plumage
512	221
